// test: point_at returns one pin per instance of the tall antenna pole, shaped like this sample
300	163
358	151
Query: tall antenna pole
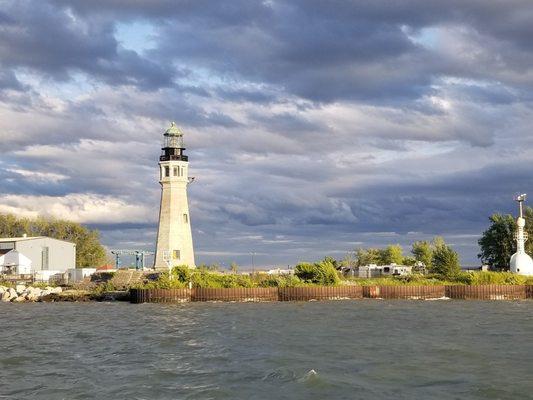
521	262
521	236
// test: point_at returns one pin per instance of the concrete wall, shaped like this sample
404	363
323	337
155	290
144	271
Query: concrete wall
61	254
79	274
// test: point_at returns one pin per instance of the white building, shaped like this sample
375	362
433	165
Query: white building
15	263
174	238
279	271
47	256
79	274
375	271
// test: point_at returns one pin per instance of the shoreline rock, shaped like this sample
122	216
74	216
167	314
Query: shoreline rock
23	293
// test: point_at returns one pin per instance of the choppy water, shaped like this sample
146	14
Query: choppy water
320	350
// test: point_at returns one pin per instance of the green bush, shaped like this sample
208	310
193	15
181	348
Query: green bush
182	273
463	277
104	287
205	279
320	273
280	281
497	278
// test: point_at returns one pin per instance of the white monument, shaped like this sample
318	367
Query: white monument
521	262
174	239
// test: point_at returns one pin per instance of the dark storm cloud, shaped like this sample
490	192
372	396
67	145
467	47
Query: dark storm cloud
8	80
323	51
51	41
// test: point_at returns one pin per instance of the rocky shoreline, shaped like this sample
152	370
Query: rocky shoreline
23	293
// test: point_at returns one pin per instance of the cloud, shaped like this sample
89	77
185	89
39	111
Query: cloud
83	208
311	127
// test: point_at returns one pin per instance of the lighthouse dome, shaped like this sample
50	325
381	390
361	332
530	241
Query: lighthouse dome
173	130
521	263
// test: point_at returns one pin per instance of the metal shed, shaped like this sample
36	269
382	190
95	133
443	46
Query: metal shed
45	253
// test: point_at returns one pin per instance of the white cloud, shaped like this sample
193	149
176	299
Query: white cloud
37	176
84	208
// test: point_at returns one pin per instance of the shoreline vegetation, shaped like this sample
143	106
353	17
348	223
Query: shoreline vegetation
433	264
321	276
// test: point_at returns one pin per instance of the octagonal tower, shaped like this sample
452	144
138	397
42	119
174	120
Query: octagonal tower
174	238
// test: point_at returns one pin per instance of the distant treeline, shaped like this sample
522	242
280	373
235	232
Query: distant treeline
434	257
89	251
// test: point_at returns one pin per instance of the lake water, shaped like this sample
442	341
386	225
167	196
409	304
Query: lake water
365	349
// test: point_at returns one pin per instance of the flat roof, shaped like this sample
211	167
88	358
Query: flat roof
21	238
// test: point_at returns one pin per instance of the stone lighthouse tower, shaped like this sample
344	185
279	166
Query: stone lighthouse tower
174	239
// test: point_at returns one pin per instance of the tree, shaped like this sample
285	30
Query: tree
497	244
349	260
445	261
368	256
89	251
393	254
233	267
423	253
409	261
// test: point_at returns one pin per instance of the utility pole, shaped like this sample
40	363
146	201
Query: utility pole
253	265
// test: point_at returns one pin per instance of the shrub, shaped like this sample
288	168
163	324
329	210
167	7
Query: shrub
182	273
463	277
280	281
205	279
497	278
105	287
321	273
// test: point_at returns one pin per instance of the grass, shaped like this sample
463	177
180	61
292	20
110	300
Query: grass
208	279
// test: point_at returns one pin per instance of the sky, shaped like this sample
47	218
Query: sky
312	127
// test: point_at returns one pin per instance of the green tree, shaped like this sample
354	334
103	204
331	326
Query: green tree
392	254
445	261
423	252
89	251
349	260
233	267
497	243
368	256
409	261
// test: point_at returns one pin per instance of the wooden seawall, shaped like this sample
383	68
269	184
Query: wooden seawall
307	293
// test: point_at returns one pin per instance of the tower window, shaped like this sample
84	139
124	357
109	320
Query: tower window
176	254
185	218
176	171
167	171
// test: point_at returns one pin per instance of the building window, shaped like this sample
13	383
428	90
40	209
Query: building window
45	258
185	218
175	171
167	171
7	245
176	254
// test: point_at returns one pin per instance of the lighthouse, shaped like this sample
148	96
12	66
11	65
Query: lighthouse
174	238
521	262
